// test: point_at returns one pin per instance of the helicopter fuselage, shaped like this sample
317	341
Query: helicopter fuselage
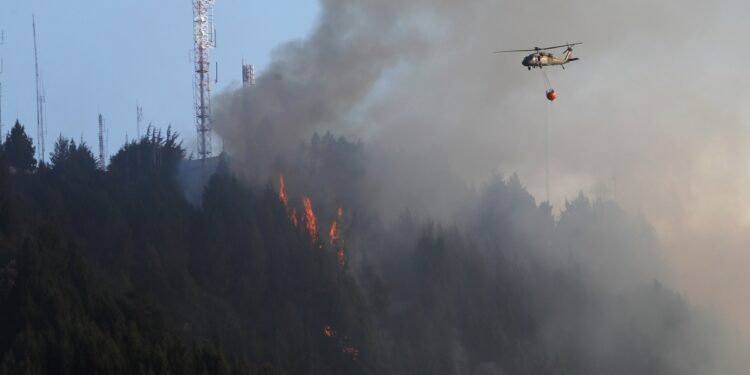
539	60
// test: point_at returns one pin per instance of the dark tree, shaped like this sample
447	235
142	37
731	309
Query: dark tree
61	151
19	149
153	155
72	158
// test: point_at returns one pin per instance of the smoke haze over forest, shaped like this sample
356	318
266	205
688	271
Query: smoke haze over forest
651	116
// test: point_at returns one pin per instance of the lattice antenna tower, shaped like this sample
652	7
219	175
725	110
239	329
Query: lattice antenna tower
248	74
102	160
204	35
138	121
41	128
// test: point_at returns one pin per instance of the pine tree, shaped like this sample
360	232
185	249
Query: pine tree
19	150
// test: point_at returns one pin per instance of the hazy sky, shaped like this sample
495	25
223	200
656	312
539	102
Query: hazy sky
107	55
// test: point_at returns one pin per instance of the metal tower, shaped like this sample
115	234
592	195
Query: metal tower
204	34
138	121
41	129
248	74
102	161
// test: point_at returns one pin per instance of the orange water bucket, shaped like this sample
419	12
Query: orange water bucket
551	95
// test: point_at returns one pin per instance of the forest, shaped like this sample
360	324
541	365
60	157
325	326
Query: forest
116	270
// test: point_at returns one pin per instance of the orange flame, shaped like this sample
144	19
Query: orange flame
334	233
310	221
282	192
284	198
293	217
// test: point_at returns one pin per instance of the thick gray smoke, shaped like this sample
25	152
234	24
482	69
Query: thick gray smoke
650	116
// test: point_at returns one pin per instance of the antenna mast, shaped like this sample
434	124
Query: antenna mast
102	161
248	74
40	100
204	34
139	120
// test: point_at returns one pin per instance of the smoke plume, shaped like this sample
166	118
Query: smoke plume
650	116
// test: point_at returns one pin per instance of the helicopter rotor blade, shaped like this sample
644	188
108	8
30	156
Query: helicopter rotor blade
517	50
537	49
564	45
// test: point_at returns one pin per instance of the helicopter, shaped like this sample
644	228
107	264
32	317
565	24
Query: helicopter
540	59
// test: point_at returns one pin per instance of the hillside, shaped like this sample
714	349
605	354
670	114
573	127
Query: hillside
117	272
